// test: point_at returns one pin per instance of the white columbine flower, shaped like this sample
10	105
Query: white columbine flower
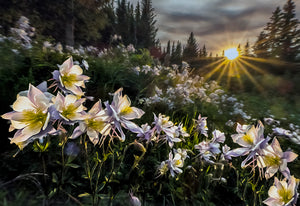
30	117
121	113
283	193
69	78
274	159
95	122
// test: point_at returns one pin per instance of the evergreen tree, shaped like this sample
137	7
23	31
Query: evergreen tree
169	48
122	17
204	52
273	31
191	50
210	54
260	47
239	49
290	34
176	55
147	28
246	49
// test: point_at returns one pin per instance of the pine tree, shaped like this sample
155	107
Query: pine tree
147	28
273	29
239	49
204	52
176	55
246	49
260	47
169	48
290	34
122	15
210	54
191	49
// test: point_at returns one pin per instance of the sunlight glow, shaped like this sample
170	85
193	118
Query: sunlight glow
231	53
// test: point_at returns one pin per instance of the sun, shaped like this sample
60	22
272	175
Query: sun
231	53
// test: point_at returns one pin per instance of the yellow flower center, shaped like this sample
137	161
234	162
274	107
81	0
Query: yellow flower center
177	162
97	125
34	117
286	195
126	110
247	138
68	80
69	111
272	160
163	170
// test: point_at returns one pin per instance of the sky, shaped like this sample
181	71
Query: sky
219	24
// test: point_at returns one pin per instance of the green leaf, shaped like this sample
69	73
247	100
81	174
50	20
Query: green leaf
84	194
72	165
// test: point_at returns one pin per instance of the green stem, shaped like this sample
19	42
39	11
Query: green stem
88	171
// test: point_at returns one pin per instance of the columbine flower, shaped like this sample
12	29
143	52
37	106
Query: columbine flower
283	193
134	200
274	159
121	112
251	139
30	116
95	122
68	108
181	131
175	163
201	125
69	78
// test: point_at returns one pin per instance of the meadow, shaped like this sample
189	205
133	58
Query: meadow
115	127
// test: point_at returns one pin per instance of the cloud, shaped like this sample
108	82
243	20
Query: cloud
214	21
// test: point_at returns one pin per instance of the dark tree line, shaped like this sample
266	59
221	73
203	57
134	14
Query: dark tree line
85	22
280	38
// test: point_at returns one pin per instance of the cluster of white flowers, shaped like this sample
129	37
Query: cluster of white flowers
189	88
292	133
23	32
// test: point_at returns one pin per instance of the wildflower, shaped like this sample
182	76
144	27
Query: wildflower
134	200
145	132
69	78
121	112
201	125
218	136
163	168
68	108
282	132
283	193
181	131
274	159
175	164
251	139
71	149
85	64
162	123
30	117
95	122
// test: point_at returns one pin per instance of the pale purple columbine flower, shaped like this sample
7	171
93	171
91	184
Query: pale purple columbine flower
71	149
283	193
201	125
251	139
274	159
68	108
134	201
181	131
120	112
210	148
95	122
145	132
282	132
69	78
30	117
162	123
